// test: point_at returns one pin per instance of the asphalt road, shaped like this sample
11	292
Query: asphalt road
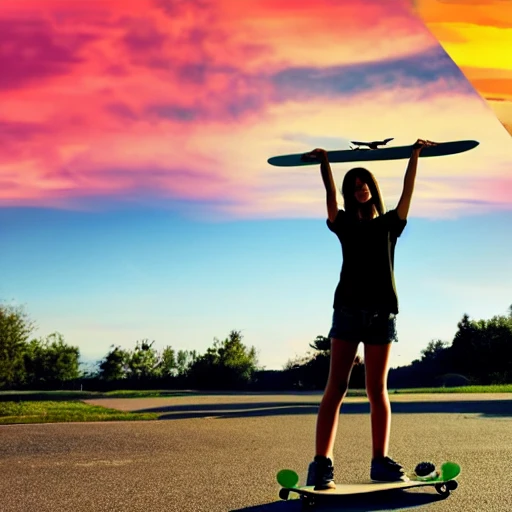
221	453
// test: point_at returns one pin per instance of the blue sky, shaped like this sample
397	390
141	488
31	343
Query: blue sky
113	278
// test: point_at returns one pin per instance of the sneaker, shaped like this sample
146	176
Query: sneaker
385	469
321	474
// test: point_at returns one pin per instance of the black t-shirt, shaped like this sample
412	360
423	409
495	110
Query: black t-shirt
367	275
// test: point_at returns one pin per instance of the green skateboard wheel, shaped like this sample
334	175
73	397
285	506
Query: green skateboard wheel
287	478
449	470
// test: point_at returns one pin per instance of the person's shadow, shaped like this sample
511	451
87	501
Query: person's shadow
380	501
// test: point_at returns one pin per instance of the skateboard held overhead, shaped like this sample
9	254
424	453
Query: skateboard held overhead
373	153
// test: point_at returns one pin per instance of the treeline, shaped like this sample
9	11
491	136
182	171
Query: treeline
51	363
228	364
480	353
24	362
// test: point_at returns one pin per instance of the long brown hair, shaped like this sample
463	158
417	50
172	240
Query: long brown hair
348	188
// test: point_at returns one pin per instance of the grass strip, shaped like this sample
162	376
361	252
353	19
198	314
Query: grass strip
47	411
501	388
9	396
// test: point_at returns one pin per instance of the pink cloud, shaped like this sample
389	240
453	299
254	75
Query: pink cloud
496	191
31	51
158	96
12	131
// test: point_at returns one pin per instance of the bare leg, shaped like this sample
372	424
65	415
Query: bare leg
376	359
343	354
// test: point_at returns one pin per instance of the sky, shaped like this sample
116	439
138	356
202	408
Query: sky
477	35
137	201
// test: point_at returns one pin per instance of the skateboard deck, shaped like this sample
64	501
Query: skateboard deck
365	155
443	481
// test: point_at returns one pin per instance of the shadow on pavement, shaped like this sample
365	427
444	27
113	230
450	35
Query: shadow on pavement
486	409
374	502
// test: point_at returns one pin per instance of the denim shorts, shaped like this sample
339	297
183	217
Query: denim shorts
359	325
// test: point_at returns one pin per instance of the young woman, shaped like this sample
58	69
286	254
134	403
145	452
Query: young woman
365	305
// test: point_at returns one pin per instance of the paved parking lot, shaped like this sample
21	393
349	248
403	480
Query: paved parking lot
221	453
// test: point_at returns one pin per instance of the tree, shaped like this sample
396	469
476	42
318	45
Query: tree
226	365
143	362
115	364
51	360
464	347
483	349
434	351
434	363
168	366
15	330
496	350
321	343
237	359
311	371
184	361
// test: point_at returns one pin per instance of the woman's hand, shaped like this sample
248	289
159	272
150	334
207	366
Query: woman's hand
420	144
317	154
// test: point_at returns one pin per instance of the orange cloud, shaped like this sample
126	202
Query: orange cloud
477	34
